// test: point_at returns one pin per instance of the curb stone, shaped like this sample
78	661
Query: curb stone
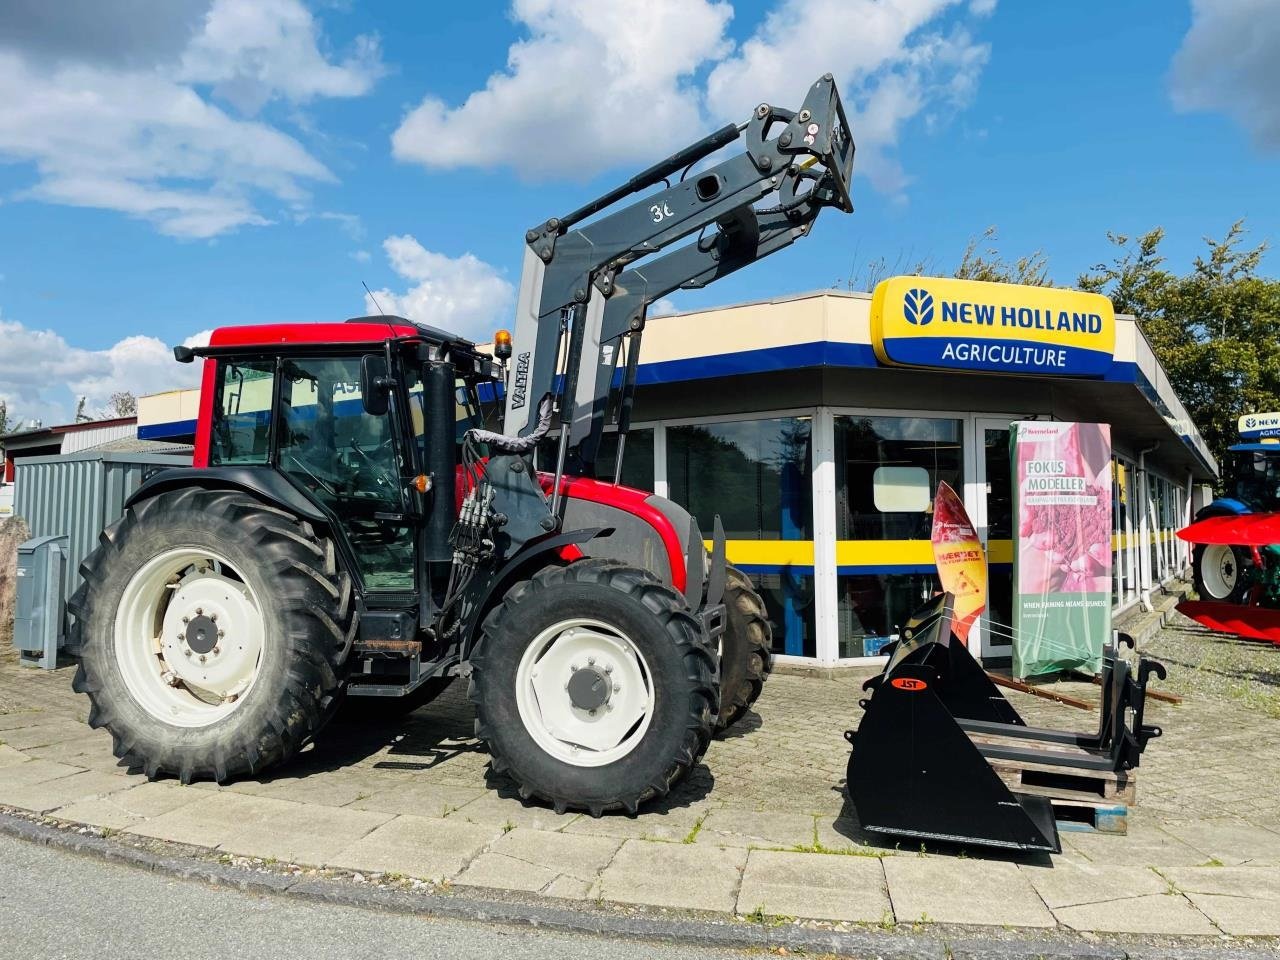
724	934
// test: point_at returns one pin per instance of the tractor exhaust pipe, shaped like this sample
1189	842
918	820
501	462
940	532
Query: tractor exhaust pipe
437	390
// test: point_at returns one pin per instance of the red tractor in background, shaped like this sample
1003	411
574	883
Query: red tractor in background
355	527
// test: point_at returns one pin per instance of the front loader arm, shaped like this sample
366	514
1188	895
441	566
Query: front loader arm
570	270
735	244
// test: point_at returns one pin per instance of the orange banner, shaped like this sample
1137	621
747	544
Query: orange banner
962	563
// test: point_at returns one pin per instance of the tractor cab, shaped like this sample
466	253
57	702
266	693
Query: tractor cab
343	413
1254	469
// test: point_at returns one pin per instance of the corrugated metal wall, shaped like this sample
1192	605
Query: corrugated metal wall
79	495
74	441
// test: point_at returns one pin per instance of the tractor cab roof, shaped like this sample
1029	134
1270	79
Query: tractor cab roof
369	330
358	332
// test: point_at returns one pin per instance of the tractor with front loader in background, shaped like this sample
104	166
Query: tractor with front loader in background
353	527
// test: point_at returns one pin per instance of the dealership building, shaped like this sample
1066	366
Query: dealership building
817	426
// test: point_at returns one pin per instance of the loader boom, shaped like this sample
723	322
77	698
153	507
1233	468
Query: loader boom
566	325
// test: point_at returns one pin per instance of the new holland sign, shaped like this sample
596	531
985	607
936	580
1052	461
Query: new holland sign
1258	426
973	325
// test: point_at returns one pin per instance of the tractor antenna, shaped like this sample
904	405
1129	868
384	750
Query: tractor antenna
372	297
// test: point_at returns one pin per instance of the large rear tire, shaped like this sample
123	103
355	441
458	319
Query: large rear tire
213	631
746	656
1221	572
594	687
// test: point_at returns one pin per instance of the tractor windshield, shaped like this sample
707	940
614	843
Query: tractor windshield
1257	478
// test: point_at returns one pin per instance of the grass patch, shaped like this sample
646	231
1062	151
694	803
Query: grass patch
692	835
758	916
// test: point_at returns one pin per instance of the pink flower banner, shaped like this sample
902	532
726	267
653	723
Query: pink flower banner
1062	559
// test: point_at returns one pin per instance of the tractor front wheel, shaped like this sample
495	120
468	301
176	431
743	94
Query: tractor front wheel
213	632
594	687
746	654
1220	572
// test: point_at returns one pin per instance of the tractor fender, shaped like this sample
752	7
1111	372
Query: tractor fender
535	556
267	485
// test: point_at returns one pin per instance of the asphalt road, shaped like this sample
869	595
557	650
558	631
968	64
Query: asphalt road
55	904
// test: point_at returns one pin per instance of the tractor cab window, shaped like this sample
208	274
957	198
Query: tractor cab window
242	412
349	461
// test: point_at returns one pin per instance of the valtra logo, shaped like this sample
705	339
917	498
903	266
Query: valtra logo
917	307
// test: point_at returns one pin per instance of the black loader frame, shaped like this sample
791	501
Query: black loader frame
922	756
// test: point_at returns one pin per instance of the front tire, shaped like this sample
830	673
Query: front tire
1220	572
746	657
213	631
594	687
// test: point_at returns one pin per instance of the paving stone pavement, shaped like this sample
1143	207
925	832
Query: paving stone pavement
761	828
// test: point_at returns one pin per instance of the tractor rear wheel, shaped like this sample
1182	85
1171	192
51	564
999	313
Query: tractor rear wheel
746	654
213	632
1220	572
594	687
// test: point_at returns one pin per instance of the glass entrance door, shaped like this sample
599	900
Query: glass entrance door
990	504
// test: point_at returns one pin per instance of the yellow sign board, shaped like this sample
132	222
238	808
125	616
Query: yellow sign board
952	324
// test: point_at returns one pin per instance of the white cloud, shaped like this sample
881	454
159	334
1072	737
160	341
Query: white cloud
662	307
893	61
888	69
253	52
594	84
141	139
41	374
1229	62
463	295
361	256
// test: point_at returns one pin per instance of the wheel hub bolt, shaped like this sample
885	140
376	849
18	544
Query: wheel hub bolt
221	634
591	661
186	619
617	687
608	668
217	650
199	611
203	658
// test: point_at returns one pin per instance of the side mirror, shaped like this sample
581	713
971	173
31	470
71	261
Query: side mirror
375	386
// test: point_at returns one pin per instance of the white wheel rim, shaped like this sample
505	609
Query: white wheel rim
1219	571
189	637
571	733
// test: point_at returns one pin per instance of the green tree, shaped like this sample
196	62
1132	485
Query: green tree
987	264
1215	329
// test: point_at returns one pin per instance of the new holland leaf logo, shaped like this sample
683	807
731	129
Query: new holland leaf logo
917	307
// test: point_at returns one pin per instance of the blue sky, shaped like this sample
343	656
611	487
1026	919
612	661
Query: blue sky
169	168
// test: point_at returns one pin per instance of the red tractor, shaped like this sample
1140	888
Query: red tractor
351	526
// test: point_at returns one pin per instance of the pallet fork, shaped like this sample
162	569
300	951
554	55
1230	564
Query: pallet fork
935	723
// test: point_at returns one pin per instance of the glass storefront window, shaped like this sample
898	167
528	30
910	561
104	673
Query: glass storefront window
871	606
865	444
754	473
789	600
637	458
874	598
